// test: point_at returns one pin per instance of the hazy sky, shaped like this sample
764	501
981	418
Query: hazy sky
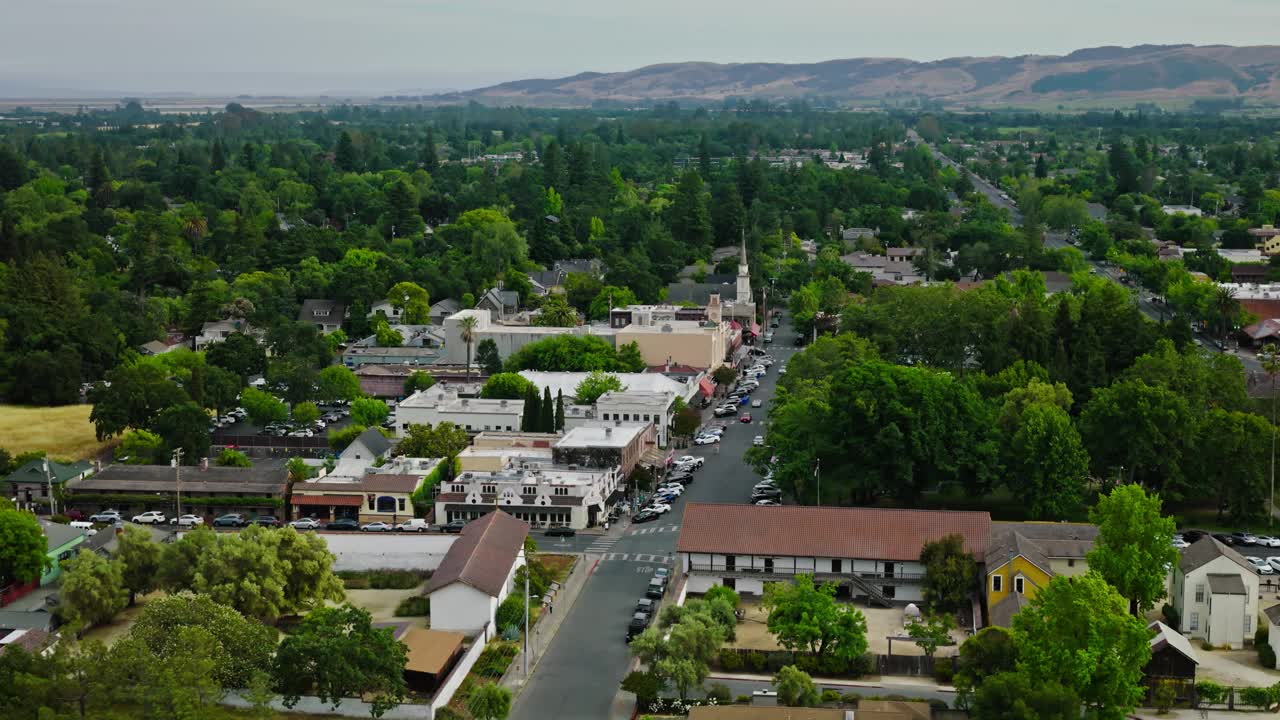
306	46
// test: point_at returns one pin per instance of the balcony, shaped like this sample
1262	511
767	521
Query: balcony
780	572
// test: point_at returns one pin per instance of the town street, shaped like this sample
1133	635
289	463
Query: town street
579	675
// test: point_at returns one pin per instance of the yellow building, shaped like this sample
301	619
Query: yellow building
388	498
1023	557
699	344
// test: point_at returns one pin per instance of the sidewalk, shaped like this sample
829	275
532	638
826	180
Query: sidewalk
544	631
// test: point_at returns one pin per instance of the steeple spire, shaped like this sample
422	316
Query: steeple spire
743	261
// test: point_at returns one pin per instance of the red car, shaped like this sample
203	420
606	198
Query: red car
746	418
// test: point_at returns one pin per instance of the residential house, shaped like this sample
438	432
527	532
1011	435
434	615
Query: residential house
1172	657
156	347
1097	211
501	304
442	309
854	234
587	266
326	315
219	330
477	574
371	498
363	453
1022	558
869	552
541	495
388	311
62	543
32	631
207	491
1189	210
31	483
1268	237
1273	631
1215	592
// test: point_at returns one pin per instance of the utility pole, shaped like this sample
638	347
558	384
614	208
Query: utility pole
53	501
177	478
527	629
817	473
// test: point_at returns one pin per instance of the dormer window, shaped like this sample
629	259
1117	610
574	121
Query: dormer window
321	313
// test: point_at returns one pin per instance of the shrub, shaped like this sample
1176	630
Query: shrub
850	698
864	665
1171	616
414	606
354	579
730	661
511	633
1258	697
1266	654
1163	696
395	579
775	661
495	659
1206	645
60	519
446	713
645	686
1211	692
720	693
935	704
511	612
943	670
830	696
743	699
831	665
807	663
756	661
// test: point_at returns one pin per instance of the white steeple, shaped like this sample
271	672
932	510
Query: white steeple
744	274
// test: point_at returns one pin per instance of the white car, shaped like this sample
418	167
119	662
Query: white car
1268	541
756	403
187	521
150	517
659	507
769	503
1180	544
305	524
690	459
757	440
1260	565
673	489
782	370
706	440
1274	562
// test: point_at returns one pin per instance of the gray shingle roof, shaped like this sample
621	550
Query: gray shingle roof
374	441
1003	612
266	477
1207	549
1222	584
1039	541
1167	636
1273	614
57	534
483	555
330	311
699	293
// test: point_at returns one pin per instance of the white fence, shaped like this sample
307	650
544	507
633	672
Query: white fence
459	673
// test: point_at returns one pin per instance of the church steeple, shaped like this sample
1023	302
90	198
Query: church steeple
744	274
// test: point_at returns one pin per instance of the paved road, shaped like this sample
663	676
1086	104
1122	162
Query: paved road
580	673
916	691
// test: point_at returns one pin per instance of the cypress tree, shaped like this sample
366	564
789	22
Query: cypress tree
217	157
532	411
559	410
430	160
548	417
344	155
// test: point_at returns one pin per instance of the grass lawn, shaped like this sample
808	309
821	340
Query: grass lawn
62	432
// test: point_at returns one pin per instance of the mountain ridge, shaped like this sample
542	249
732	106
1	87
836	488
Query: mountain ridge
1141	73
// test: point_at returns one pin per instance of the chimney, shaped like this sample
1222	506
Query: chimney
502	404
204	463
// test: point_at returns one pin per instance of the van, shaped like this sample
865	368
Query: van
84	525
657	588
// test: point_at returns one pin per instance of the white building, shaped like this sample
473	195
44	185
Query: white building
868	552
639	406
1215	592
477	574
1190	210
1273	631
508	338
542	495
441	404
218	330
567	382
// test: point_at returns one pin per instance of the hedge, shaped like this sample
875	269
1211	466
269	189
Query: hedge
191	501
424	497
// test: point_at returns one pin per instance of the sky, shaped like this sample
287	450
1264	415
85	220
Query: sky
302	47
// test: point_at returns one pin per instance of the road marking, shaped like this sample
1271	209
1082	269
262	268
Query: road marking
602	545
654	529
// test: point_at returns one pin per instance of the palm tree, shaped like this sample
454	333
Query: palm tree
468	327
1226	307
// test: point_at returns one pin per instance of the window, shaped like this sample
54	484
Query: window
1248	624
835	566
561	491
997	583
1195	621
768	564
459	488
646	417
400	502
1018	585
387	504
488	488
1071	563
626	416
1200	593
604	416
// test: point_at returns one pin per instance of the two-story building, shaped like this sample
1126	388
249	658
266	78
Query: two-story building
326	315
1215	592
639	406
1022	558
869	553
31	483
432	406
603	445
541	495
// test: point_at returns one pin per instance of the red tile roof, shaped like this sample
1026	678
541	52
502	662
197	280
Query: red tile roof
803	531
483	555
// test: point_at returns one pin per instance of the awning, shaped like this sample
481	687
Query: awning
707	387
755	328
327	500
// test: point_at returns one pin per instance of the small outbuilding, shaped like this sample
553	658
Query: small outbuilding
477	573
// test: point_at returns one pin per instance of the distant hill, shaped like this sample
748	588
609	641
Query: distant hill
1105	74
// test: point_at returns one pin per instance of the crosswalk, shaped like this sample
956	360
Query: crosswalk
654	529
603	544
660	558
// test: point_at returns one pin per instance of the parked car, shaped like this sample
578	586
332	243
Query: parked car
769	503
150	517
560	531
725	410
706	440
746	418
1180	543
342	525
675	488
377	526
1268	541
756	403
187	521
1260	565
645	516
305	524
1192	535
267	521
106	516
657	588
663	572
1224	538
1274	562
757	440
659	507
693	460
454	526
1244	538
413	525
646	606
230	520
639	623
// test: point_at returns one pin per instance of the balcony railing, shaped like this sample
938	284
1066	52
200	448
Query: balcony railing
778	569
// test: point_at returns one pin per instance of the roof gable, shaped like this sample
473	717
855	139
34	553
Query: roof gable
1166	636
33	471
1206	550
482	555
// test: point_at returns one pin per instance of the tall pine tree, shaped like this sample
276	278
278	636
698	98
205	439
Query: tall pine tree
430	160
532	411
559	410
344	155
217	156
548	421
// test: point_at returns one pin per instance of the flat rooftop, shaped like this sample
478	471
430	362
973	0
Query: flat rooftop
612	436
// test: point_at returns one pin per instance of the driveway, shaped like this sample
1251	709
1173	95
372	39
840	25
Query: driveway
578	677
1234	667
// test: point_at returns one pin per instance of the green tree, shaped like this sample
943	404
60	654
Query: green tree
181	684
950	574
546	412
467	332
559	410
629	358
185	426
1140	428
336	653
241	571
489	701
93	590
307	566
140	557
305	414
385	335
506	386
1132	550
23	549
178	563
263	408
442	440
610	296
233	458
418	380
139	447
933	633
795	687
487	357
555	312
298	470
412	301
221	389
567	353
1048	467
1014	696
1076	633
244	647
595	384
344	154
531	414
690	220
988	653
369	412
645	685
337	382
803	616
240	354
